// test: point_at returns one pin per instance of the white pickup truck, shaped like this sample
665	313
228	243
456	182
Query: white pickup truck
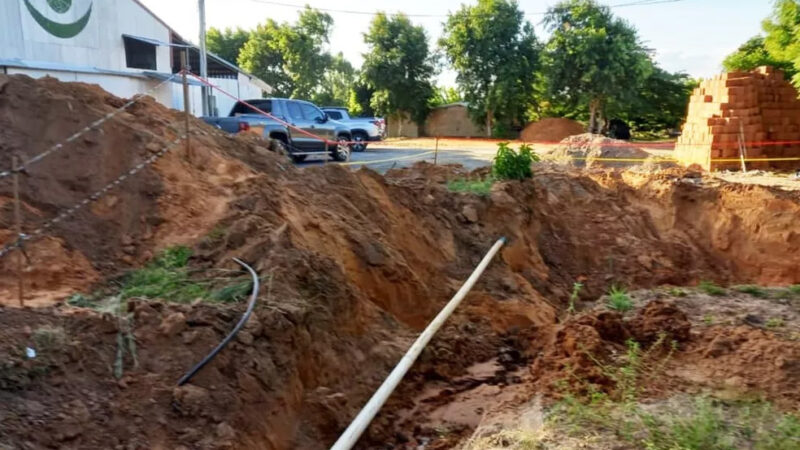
363	129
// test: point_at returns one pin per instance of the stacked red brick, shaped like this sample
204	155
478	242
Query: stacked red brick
761	105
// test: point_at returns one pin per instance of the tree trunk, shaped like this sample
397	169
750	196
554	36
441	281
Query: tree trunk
489	119
594	109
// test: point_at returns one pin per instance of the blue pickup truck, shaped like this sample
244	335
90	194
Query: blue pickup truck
309	129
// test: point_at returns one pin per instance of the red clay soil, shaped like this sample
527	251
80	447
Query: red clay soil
148	212
358	262
551	130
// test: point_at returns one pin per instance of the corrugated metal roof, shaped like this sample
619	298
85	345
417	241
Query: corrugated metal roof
61	67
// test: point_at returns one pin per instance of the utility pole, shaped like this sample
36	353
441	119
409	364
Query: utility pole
203	56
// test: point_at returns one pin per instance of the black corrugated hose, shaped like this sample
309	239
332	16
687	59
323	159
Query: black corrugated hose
253	296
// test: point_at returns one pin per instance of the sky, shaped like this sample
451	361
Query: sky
691	36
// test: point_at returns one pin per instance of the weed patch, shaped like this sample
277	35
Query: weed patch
477	187
711	289
751	289
619	300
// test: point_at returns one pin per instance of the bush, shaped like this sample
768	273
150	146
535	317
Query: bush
510	165
711	289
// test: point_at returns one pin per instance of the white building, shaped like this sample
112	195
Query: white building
118	44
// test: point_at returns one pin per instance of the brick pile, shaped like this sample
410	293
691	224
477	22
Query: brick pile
761	105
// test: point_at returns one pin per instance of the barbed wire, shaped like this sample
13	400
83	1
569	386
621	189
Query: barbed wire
97	123
21	239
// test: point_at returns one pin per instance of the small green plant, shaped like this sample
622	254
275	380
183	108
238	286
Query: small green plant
751	289
166	277
708	320
619	300
510	165
576	291
775	322
675	292
710	288
794	289
477	187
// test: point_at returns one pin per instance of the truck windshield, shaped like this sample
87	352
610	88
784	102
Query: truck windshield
241	108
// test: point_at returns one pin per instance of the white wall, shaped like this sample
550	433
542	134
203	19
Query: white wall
99	45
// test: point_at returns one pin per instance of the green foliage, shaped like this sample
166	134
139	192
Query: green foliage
660	104
592	59
711	289
336	83
619	300
164	278
676	292
794	289
753	54
444	96
477	187
494	51
398	67
360	96
753	290
685	423
290	57
775	322
226	44
574	296
511	165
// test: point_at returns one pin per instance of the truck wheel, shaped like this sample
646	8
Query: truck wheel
360	141
342	151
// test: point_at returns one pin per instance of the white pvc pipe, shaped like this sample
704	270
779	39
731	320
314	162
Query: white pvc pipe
351	435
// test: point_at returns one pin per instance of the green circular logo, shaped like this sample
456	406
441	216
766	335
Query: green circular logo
60	6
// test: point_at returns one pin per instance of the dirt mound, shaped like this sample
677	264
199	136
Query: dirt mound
147	212
591	150
551	130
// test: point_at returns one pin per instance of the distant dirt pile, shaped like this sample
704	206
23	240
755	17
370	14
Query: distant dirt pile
592	150
551	130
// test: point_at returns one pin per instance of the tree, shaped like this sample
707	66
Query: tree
444	96
335	83
661	104
496	55
290	58
592	58
398	67
360	97
226	44
752	54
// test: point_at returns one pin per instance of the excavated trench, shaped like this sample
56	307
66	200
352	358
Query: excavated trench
358	263
358	270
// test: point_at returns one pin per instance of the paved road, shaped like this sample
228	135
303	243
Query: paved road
385	158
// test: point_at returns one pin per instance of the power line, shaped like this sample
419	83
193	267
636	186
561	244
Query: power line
374	13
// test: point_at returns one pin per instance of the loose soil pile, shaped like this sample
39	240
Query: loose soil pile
591	150
354	264
551	130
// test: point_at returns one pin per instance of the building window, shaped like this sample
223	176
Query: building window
139	54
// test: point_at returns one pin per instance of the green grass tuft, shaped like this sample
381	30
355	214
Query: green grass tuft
675	292
477	187
165	278
775	322
751	289
619	300
711	289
